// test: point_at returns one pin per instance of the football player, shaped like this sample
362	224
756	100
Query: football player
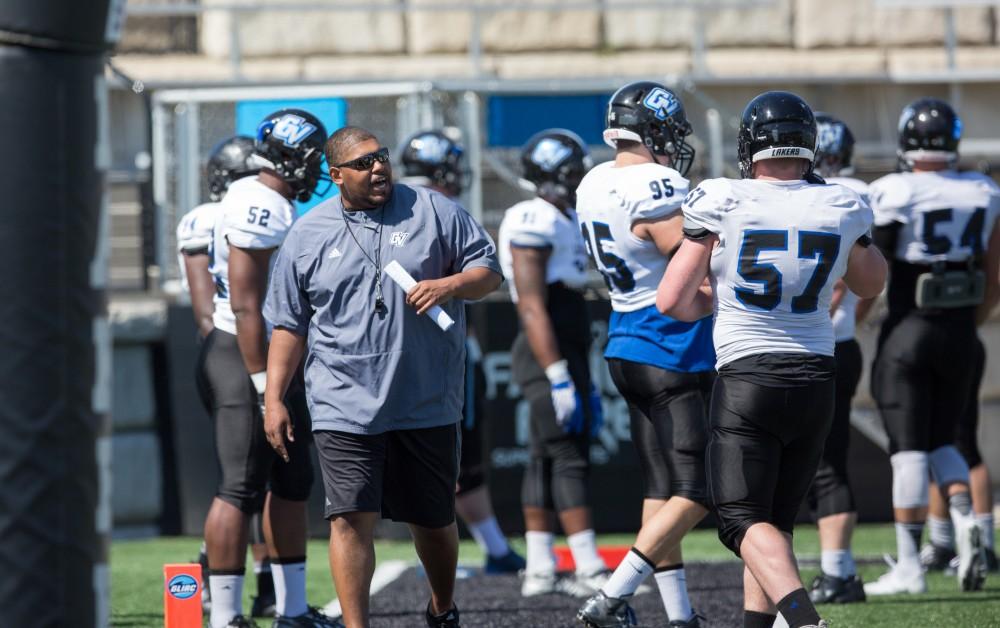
772	244
545	262
256	214
231	159
433	159
831	497
939	227
939	553
629	213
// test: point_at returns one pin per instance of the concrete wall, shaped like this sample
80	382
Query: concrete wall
792	24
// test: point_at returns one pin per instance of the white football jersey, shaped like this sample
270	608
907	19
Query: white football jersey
194	232
782	245
843	316
253	216
609	201
945	216
538	223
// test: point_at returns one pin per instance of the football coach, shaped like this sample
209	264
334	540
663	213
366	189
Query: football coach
384	382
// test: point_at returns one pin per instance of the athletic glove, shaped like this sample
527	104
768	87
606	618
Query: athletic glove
564	397
259	383
596	412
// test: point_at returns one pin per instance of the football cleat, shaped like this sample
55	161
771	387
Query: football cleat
545	583
241	622
511	562
936	558
827	589
448	619
971	572
601	611
263	606
694	622
896	581
991	561
312	618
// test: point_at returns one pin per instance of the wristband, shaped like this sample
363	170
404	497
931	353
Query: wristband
259	381
557	372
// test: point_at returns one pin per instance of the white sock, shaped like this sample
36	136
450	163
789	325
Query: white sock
908	546
633	569
672	583
540	558
985	523
838	563
779	622
489	537
227	598
942	532
583	546
289	589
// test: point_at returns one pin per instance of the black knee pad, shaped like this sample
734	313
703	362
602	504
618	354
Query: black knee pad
830	493
535	490
293	480
470	479
570	468
732	531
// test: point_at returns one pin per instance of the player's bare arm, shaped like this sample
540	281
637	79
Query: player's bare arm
666	233
839	288
866	271
283	357
991	267
247	283
202	289
532	290
682	294
470	285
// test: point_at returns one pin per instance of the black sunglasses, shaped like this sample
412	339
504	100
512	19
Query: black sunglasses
365	162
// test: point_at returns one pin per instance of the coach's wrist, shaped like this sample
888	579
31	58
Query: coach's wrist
259	381
558	372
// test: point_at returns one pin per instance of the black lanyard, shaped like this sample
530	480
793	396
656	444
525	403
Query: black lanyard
377	260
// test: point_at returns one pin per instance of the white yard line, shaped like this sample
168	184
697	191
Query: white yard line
385	574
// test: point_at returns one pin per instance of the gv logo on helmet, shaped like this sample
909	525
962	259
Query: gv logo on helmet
831	137
292	129
550	153
182	586
431	148
662	102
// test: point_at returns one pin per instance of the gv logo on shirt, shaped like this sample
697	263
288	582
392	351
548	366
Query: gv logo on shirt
398	238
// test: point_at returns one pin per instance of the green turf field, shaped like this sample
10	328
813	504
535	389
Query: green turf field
137	580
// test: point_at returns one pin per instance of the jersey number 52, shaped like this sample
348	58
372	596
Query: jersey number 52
816	245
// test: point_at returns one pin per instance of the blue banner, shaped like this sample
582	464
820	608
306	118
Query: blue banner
514	119
332	112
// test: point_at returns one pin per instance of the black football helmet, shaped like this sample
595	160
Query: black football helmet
554	162
776	125
436	157
834	146
649	113
929	130
231	159
291	141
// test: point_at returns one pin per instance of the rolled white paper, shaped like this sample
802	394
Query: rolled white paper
406	281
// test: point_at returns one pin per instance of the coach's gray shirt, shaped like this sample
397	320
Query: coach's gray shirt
367	371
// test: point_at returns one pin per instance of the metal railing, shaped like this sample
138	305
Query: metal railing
477	12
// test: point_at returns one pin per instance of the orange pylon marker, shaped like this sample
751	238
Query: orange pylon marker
182	596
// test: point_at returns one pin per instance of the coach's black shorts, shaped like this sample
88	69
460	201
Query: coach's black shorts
668	411
966	434
766	443
407	475
922	377
246	460
831	493
472	467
